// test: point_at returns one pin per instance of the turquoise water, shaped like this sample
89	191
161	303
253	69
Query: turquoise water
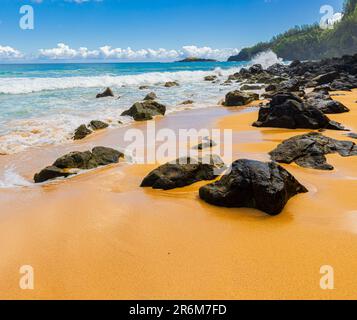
42	104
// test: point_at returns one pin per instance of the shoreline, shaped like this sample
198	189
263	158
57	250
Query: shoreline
92	237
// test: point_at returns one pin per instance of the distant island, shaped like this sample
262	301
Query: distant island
193	59
311	42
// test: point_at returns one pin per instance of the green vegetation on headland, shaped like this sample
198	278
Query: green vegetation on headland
310	42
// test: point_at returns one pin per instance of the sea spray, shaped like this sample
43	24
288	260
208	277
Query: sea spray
266	59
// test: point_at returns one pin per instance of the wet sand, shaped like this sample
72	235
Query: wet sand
99	236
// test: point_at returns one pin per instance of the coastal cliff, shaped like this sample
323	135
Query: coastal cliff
310	42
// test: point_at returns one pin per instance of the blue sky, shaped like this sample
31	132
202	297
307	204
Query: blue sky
143	24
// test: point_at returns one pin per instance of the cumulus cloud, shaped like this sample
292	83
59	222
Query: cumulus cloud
9	53
64	52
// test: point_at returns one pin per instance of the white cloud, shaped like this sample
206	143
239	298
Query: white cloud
9	53
63	52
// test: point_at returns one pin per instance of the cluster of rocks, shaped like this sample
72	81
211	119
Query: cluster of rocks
84	130
252	184
71	163
336	73
309	150
286	110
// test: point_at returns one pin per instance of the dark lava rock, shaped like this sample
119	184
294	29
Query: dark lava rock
170	84
187	102
295	63
208	143
100	156
326	78
277	69
104	156
107	93
288	111
265	186
247	87
76	159
352	135
146	110
291	85
143	87
98	125
50	173
182	172
322	101
81	132
210	78
151	96
257	68
271	87
309	150
237	98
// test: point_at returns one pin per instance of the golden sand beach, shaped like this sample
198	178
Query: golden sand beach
100	236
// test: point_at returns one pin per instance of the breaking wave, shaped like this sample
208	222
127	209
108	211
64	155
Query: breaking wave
11	179
30	85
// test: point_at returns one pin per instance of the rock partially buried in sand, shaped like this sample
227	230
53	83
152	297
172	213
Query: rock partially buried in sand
51	173
98	125
182	172
150	96
208	143
288	111
65	165
352	135
253	184
309	150
81	132
237	98
106	93
186	102
146	110
170	84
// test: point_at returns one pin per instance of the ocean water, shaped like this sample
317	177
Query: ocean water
42	104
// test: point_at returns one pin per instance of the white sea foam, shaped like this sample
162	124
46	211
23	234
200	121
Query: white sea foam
266	59
11	179
29	85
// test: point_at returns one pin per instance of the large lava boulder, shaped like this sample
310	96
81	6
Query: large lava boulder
265	186
145	110
309	150
288	111
183	172
69	163
238	98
